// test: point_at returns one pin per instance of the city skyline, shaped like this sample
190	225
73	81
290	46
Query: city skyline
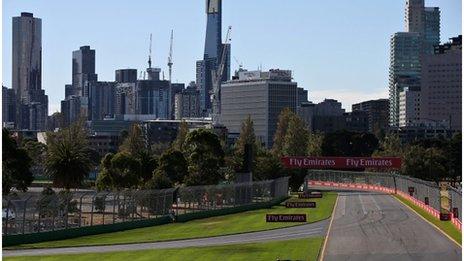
313	62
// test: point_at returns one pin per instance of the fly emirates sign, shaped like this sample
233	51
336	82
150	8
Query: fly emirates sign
341	162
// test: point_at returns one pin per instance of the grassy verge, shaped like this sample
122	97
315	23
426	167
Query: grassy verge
445	226
299	249
222	225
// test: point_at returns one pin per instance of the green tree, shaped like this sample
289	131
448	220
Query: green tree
159	181
173	165
37	151
16	165
205	156
117	171
296	137
159	148
247	136
350	144
315	144
181	136
268	166
455	157
390	147
147	164
68	156
135	141
281	131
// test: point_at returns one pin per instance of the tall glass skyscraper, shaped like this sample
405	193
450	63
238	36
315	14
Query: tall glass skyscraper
212	54
422	26
32	109
83	69
404	70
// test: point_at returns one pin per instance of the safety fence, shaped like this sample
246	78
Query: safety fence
424	194
35	212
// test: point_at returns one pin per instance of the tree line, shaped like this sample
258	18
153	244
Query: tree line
200	157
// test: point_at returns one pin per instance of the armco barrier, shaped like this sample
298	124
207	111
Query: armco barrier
456	222
12	240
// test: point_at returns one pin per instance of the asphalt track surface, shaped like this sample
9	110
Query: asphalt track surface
366	226
376	226
295	232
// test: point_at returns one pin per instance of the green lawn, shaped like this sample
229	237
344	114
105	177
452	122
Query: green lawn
299	249
222	225
445	226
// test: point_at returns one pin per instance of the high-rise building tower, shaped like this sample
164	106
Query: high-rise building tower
414	18
432	29
83	69
27	73
404	70
212	54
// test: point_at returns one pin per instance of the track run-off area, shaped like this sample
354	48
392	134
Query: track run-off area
364	226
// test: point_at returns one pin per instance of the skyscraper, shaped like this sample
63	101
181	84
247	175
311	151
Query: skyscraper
212	54
404	70
83	69
432	29
27	73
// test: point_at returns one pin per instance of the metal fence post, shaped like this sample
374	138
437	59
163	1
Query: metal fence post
24	214
80	209
91	213
7	216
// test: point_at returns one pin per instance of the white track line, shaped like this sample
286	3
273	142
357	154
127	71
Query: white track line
362	205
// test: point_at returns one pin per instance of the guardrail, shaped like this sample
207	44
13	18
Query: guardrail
425	195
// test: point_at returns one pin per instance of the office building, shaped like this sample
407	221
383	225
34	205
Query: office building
409	107
126	75
212	54
74	108
306	112
83	69
101	97
32	103
302	96
432	29
187	103
8	106
153	98
377	111
356	121
175	89
404	68
441	85
125	98
328	116
262	95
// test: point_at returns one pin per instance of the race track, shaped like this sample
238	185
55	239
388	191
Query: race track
376	226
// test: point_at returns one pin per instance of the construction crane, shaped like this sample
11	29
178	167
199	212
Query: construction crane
240	65
217	78
170	57
149	54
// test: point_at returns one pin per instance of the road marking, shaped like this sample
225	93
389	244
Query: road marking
441	231
328	231
362	204
375	202
343	204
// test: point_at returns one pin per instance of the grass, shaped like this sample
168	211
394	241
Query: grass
298	249
215	226
445	226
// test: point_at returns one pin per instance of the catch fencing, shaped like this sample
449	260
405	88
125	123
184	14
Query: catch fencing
424	194
49	210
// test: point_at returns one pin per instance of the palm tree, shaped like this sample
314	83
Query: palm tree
68	156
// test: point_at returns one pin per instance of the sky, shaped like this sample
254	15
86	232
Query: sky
336	49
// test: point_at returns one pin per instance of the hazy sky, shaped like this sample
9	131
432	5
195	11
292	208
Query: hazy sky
336	49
